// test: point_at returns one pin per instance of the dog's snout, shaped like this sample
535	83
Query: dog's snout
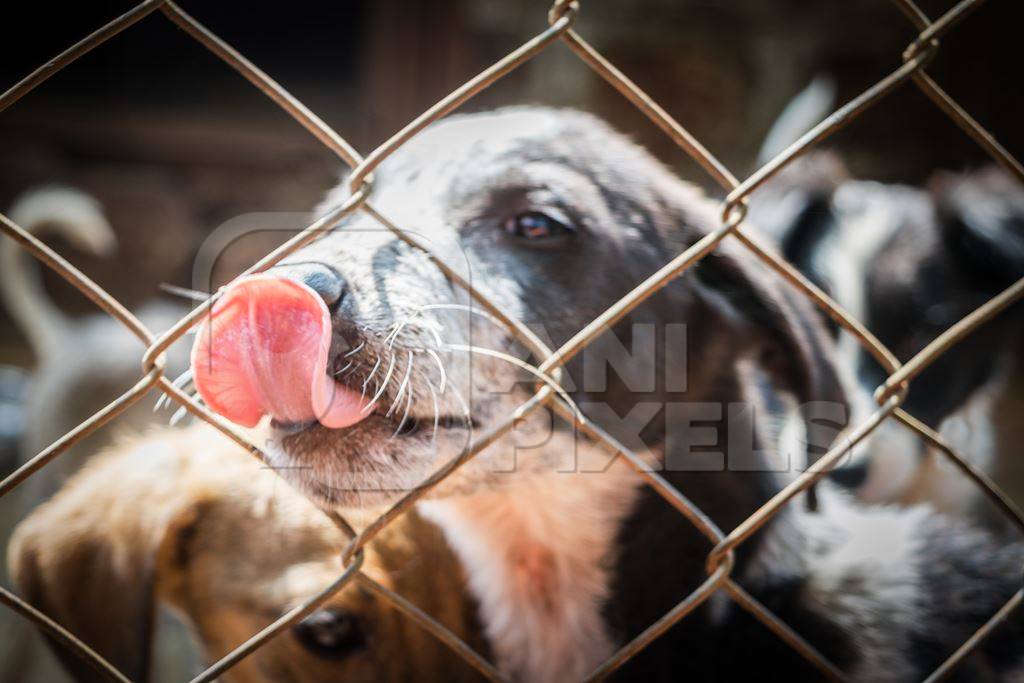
323	279
264	348
330	633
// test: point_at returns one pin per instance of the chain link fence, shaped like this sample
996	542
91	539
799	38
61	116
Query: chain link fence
720	560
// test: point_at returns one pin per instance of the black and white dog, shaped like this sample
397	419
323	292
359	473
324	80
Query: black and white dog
363	368
909	263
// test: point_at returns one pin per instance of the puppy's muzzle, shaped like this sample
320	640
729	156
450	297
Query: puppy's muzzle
264	351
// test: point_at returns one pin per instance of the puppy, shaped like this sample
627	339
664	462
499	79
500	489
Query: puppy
362	368
188	519
909	264
82	363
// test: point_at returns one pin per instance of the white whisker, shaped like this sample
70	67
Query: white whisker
389	340
181	412
178	416
355	350
436	335
468	309
393	335
401	388
370	376
398	327
437	412
405	416
180	382
440	368
383	386
524	366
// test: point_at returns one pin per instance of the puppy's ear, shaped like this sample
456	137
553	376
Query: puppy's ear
90	557
785	332
794	208
982	219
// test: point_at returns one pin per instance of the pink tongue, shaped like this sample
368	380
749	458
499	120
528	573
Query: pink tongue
263	351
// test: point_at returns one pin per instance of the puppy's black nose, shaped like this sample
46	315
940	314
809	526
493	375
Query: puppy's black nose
852	475
330	633
320	277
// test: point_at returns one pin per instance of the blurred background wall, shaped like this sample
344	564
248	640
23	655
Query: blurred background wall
174	143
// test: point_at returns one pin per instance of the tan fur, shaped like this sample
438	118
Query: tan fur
538	561
230	547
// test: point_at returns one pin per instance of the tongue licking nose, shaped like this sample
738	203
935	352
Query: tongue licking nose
263	350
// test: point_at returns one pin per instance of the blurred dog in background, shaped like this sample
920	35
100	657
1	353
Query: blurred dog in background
82	363
195	523
909	263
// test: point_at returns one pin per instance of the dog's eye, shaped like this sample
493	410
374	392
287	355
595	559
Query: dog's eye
537	226
330	633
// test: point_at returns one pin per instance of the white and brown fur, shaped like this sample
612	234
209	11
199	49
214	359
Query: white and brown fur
187	519
571	558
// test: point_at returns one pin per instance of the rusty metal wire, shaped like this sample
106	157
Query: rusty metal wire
720	560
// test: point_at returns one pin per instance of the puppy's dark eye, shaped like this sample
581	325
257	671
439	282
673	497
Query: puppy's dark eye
538	226
330	633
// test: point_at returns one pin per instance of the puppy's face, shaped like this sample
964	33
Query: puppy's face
550	214
240	568
186	519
